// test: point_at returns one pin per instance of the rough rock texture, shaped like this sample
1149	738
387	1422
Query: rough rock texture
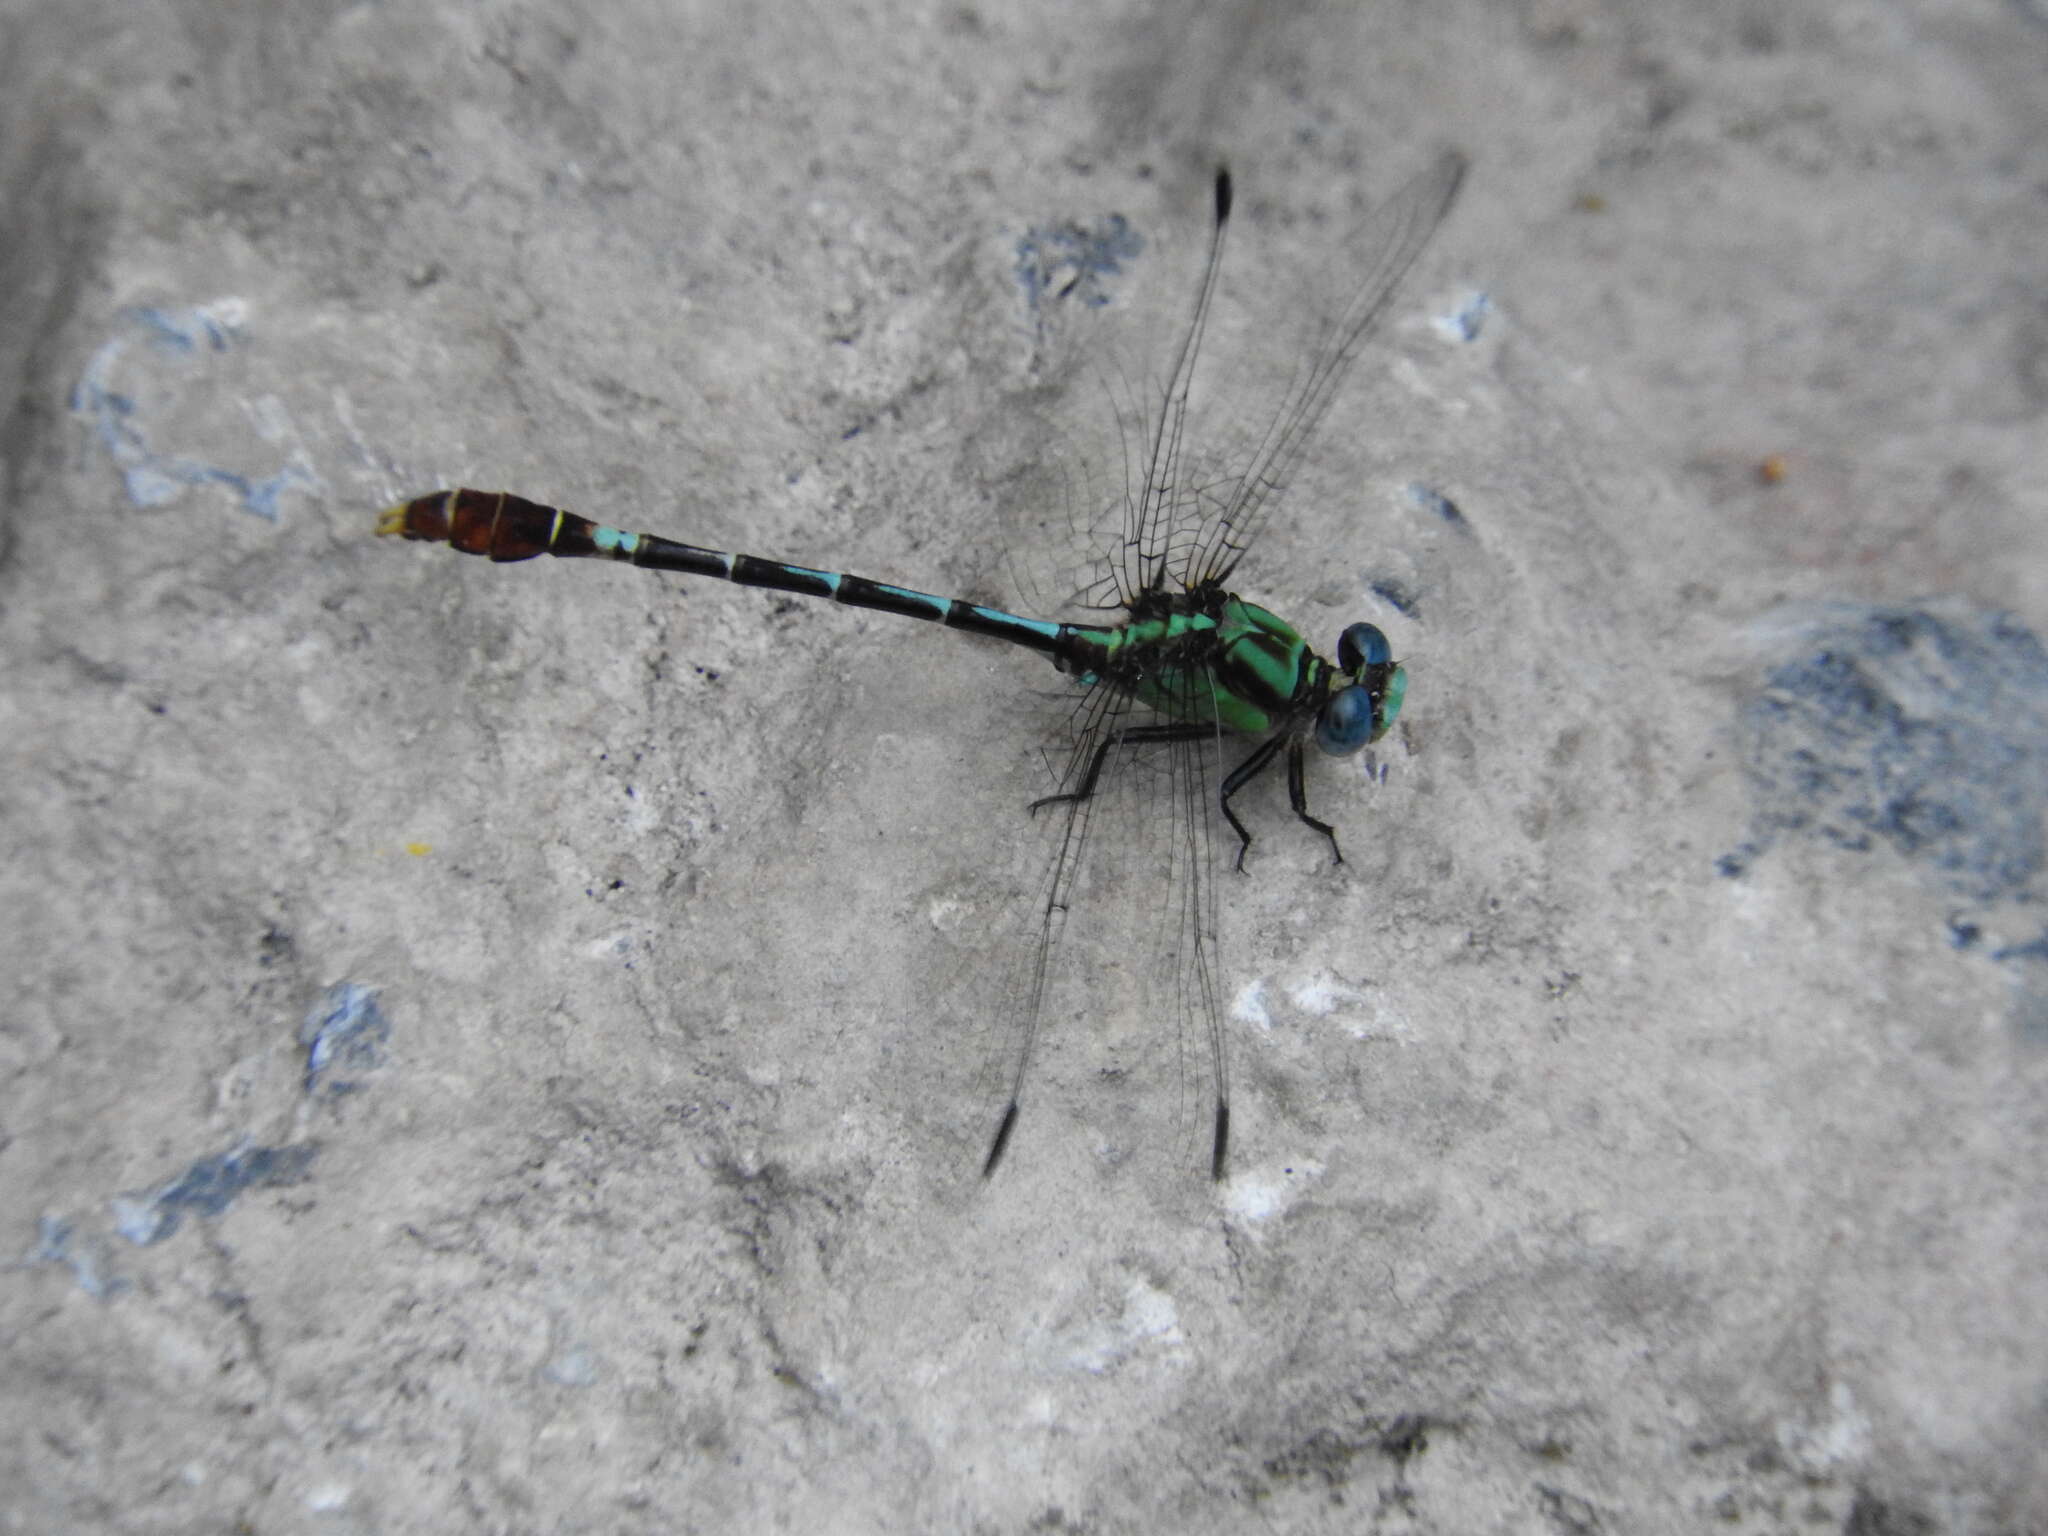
509	1049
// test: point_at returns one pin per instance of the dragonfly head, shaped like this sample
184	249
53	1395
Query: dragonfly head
1365	708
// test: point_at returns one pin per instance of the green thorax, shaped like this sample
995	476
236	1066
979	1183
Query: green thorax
1236	664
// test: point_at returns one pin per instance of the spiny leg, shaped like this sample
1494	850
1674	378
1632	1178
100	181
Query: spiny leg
1241	775
1136	736
1297	796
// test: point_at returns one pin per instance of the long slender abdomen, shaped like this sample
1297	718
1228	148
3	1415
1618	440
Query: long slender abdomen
504	527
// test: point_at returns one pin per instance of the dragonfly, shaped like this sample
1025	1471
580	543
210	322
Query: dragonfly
1176	659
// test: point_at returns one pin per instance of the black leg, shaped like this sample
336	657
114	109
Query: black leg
1240	776
1297	796
1136	736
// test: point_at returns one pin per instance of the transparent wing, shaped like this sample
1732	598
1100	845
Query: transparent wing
1103	506
1197	484
1162	512
1128	779
1384	247
1144	913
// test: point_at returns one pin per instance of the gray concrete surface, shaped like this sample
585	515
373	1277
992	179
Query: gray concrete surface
508	1049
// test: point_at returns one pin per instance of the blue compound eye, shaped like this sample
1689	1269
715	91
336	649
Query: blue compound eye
1346	723
1362	645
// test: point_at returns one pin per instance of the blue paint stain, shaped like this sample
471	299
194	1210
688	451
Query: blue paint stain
1069	261
1466	321
184	330
1923	731
1437	503
344	1035
208	1188
58	1242
1919	730
178	339
574	1366
1396	596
